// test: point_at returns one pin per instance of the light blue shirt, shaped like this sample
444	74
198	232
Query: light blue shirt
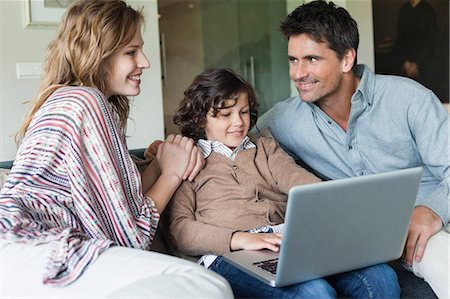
395	123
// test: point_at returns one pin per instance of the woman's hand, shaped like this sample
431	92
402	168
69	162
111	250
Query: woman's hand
174	155
249	241
174	158
196	161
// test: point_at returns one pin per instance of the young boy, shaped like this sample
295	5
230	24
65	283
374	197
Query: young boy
239	199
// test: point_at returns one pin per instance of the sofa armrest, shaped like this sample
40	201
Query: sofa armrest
6	164
3	175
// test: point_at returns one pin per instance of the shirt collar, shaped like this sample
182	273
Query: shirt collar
366	86
208	146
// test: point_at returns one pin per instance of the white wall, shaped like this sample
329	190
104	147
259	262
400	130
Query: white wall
361	11
19	44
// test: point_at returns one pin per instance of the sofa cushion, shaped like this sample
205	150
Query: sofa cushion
411	286
6	164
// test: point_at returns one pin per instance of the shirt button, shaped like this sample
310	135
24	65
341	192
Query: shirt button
361	173
234	167
350	147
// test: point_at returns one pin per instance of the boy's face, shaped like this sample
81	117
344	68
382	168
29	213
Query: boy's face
231	124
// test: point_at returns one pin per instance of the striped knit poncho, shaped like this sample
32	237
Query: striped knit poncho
74	184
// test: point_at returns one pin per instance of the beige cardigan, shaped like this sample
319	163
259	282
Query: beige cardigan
228	196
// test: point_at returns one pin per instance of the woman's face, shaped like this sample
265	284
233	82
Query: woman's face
127	65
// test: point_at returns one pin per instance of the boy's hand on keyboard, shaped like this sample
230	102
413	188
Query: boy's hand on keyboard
249	241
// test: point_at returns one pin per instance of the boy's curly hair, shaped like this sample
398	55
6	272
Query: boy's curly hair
209	90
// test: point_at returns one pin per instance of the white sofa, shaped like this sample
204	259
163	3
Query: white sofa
119	272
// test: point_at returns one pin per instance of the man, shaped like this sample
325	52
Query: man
348	122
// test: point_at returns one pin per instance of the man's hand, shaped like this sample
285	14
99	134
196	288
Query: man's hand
424	224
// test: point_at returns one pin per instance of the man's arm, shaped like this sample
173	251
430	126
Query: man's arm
429	124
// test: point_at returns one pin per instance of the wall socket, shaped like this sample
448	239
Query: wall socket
28	70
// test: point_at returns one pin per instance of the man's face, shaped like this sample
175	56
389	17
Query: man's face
314	68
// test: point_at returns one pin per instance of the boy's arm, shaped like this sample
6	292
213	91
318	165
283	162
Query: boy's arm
189	236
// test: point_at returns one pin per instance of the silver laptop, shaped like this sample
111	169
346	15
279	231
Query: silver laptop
337	226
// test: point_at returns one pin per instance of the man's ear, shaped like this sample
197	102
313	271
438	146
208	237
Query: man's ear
348	60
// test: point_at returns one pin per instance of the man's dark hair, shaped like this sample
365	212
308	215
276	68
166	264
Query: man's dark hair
209	91
325	23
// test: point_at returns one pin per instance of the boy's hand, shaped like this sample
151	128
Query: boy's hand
249	241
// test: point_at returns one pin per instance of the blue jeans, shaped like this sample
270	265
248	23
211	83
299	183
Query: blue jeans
379	281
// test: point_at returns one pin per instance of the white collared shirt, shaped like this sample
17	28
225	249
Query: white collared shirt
208	146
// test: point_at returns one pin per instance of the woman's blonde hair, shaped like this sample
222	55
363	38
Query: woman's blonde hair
91	31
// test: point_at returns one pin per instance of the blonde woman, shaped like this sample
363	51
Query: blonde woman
74	199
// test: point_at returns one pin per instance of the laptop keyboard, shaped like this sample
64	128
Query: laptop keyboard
268	265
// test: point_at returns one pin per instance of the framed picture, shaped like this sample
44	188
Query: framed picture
45	13
407	32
